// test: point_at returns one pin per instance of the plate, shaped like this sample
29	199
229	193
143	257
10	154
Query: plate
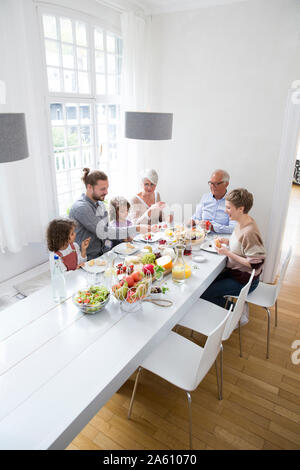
199	259
95	268
122	249
158	227
155	237
209	245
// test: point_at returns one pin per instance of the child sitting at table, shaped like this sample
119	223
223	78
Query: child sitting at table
118	216
61	241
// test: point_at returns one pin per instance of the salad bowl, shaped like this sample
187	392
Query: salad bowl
91	299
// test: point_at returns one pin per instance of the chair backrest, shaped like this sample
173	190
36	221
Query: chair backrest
238	309
211	349
282	272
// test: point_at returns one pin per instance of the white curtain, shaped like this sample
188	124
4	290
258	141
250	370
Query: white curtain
24	206
134	89
283	183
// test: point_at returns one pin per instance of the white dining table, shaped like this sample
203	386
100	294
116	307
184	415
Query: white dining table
58	366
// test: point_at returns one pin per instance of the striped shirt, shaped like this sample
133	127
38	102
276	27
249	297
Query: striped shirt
213	209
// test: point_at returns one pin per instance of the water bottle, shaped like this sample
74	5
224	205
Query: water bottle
58	282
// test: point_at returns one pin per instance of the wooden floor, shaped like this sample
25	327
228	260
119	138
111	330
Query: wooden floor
261	404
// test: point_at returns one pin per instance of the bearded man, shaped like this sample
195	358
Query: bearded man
91	216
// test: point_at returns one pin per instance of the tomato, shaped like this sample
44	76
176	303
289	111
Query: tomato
137	276
86	301
129	280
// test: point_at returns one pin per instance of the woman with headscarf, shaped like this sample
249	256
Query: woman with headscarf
146	207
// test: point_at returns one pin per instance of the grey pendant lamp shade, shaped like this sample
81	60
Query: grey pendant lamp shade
13	139
148	126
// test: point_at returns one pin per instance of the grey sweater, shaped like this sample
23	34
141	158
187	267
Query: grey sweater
92	221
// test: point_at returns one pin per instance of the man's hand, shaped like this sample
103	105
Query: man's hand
201	223
204	224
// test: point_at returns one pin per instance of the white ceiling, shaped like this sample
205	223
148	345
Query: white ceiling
155	7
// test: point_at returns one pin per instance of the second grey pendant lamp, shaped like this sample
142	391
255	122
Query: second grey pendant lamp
148	126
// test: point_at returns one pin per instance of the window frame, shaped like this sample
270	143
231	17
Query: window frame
92	98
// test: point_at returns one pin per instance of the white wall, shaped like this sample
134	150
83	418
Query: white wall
224	72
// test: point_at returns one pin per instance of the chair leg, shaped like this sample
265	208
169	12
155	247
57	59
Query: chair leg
221	371
268	331
220	381
276	313
240	338
134	391
190	417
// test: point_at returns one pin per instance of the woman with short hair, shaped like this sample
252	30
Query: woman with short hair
244	250
146	206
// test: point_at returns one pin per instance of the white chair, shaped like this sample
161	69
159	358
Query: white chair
265	295
204	316
183	363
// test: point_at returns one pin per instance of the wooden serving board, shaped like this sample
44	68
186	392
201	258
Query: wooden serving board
197	242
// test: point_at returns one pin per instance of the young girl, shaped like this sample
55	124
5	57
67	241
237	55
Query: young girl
61	241
118	215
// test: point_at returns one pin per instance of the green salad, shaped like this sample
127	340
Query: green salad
92	296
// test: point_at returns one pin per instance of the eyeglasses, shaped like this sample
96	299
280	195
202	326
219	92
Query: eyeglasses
215	185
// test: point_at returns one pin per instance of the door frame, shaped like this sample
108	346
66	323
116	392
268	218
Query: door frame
283	182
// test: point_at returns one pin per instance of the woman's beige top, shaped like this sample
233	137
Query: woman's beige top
138	211
246	242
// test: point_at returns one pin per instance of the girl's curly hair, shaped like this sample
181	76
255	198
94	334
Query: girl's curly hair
58	233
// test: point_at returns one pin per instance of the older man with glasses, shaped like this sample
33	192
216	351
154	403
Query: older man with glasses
212	205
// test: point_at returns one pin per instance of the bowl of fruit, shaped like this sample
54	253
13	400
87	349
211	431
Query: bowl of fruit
132	289
91	299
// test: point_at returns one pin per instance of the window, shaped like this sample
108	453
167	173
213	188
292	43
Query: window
83	63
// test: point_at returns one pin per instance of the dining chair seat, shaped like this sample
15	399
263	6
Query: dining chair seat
169	361
203	317
266	295
183	363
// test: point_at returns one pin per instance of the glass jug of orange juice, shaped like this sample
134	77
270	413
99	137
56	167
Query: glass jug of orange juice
178	270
